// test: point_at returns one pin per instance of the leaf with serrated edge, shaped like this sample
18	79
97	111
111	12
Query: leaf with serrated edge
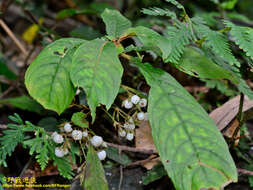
47	78
115	23
191	148
97	69
94	172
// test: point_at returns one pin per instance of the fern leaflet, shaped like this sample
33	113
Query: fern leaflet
242	36
179	38
177	4
218	42
159	12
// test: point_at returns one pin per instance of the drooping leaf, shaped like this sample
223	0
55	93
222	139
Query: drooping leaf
97	69
198	65
152	39
94	172
47	78
156	173
79	119
24	103
191	148
242	36
116	24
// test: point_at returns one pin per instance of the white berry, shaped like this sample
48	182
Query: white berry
140	116
126	125
59	152
101	155
122	133
131	126
127	104
58	138
146	116
135	99
77	135
85	134
96	141
67	127
130	136
143	102
53	134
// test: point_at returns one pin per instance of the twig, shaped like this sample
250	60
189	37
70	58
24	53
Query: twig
131	149
239	116
243	171
121	172
141	162
13	37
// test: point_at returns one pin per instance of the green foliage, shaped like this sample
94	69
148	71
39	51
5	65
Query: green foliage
218	42
174	2
49	124
115	23
79	119
113	154
2	181
97	69
48	80
85	32
159	12
151	40
4	70
192	158
196	64
242	36
178	39
94	172
156	173
24	103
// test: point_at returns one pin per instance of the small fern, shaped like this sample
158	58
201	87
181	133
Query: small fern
242	36
179	38
218	42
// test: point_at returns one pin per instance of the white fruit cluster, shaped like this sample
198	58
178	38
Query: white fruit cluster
127	129
97	141
60	152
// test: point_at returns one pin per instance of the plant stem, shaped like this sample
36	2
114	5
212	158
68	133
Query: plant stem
239	117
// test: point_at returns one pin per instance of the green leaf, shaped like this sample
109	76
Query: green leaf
218	42
152	39
47	78
49	124
198	65
85	32
65	13
191	148
4	70
178	38
24	103
174	2
155	11
242	36
97	69
79	119
228	5
42	156
245	89
116	24
113	154
94	172
156	173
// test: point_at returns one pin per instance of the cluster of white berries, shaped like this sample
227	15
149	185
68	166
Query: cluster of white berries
95	141
127	130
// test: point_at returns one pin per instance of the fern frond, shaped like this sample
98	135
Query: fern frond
179	38
177	4
42	156
218	43
159	12
242	36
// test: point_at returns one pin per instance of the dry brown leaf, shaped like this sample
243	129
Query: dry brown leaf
143	137
150	164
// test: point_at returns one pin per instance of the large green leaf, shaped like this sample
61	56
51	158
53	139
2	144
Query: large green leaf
47	78
94	172
191	148
198	65
116	24
97	69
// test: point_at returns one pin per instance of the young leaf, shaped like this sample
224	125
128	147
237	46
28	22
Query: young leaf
79	119
47	78
191	148
116	24
242	36
24	103
198	65
218	43
151	39
178	39
97	69
94	172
